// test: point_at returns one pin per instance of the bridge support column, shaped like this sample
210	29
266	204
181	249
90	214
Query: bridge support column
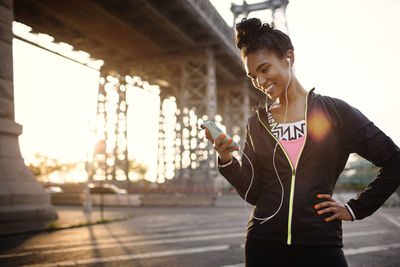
22	198
110	156
236	110
193	84
164	163
197	102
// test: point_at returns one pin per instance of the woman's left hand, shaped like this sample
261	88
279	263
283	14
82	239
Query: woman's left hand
338	209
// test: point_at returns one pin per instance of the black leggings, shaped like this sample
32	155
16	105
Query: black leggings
261	253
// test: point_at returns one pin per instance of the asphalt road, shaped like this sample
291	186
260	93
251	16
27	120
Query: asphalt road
185	237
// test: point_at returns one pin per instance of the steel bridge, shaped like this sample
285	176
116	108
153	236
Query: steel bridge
183	46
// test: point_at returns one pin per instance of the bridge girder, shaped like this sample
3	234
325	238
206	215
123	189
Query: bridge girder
185	45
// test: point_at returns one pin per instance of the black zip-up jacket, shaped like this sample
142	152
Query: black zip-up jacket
334	130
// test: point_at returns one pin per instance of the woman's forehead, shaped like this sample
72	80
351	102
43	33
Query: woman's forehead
261	54
254	59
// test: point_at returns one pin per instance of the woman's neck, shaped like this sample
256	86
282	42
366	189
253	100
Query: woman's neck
295	92
296	96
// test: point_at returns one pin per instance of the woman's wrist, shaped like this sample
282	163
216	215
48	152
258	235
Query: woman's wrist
226	158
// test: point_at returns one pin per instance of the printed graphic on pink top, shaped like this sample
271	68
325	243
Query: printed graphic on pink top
286	131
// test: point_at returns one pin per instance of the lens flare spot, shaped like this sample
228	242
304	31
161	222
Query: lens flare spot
319	125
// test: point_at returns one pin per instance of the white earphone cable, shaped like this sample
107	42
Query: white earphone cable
263	220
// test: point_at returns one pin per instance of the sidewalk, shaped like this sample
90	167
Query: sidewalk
73	215
68	216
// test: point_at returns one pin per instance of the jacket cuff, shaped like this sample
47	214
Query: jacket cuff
353	217
225	164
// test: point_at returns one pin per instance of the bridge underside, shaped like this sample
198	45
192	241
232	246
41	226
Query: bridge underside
183	46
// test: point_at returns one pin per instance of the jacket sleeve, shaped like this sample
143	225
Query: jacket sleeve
367	140
239	174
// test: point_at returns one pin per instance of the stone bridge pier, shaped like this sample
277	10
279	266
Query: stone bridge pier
22	198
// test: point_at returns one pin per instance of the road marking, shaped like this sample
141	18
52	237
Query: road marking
197	222
365	233
136	237
169	238
347	252
21	254
188	227
355	251
234	265
390	219
134	257
202	237
117	245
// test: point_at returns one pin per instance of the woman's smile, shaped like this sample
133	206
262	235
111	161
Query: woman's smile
268	90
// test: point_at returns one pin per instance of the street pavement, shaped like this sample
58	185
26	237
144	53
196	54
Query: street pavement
201	236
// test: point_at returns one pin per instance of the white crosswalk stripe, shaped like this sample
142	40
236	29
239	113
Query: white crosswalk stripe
189	227
139	243
369	249
134	257
364	233
390	219
135	238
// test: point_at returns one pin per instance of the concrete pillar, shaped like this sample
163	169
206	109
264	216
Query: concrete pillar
22	198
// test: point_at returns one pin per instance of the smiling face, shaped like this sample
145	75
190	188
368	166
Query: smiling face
268	72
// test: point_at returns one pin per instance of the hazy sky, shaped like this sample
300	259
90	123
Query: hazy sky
54	100
346	49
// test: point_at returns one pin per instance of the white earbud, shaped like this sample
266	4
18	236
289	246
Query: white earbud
288	60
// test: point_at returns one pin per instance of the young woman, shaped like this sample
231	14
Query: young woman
298	146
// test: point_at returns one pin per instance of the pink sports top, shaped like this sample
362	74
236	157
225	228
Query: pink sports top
290	135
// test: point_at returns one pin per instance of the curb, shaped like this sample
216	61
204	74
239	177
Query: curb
64	226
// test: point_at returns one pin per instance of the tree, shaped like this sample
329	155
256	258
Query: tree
44	166
137	167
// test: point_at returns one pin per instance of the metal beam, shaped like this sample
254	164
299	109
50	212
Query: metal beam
53	52
247	8
212	20
171	27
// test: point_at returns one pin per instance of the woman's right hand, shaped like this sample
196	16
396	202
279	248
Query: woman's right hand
222	148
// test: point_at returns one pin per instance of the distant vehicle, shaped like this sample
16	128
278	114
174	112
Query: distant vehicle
54	189
106	189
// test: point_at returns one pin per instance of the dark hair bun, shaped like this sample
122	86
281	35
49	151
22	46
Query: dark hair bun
252	35
248	30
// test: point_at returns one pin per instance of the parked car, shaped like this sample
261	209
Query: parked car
106	189
54	189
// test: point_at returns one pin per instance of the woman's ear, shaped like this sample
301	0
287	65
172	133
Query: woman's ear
289	57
